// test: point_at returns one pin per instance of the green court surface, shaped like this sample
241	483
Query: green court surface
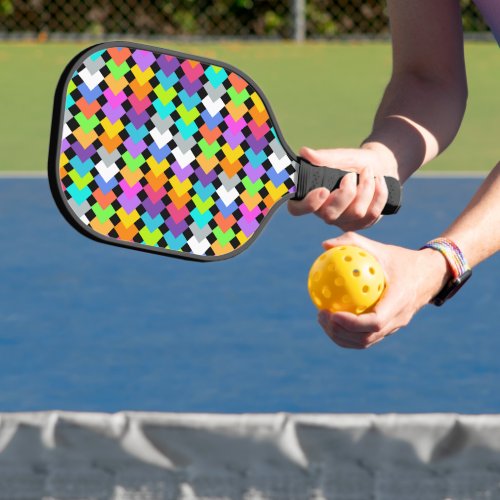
323	94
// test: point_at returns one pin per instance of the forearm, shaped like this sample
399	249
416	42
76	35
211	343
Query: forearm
477	230
416	120
424	103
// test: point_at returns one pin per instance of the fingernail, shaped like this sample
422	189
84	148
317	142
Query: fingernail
323	194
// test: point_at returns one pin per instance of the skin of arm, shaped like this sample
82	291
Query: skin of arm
419	115
414	277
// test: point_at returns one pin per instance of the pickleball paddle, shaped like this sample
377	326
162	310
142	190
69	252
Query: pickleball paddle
171	153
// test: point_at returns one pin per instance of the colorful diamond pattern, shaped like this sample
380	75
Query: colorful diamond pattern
169	152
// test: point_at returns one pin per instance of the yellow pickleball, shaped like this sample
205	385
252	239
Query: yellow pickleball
346	278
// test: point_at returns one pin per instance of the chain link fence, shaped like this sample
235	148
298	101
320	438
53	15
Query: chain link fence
284	19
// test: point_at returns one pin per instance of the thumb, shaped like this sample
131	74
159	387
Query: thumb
339	157
349	238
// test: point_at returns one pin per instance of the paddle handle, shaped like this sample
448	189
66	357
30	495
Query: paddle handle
311	177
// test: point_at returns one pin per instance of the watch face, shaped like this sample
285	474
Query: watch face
451	288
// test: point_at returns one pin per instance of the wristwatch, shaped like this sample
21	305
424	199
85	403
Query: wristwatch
460	270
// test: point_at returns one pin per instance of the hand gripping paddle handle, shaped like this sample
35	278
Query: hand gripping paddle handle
311	177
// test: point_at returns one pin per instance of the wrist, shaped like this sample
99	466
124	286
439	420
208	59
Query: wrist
437	274
386	156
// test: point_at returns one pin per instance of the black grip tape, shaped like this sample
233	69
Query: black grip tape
311	177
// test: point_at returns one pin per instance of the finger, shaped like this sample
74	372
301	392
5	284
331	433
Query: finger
338	157
340	335
362	324
344	344
357	224
311	203
353	341
348	238
341	339
384	318
380	196
348	338
338	201
362	340
374	342
356	340
334	204
365	191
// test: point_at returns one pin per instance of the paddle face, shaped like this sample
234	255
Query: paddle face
164	152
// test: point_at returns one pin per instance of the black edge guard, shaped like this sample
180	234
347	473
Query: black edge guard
310	177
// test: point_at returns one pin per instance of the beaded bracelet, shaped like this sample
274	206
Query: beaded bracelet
459	267
452	254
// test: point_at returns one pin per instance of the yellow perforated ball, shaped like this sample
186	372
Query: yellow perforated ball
346	278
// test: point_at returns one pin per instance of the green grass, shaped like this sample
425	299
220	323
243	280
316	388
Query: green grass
323	94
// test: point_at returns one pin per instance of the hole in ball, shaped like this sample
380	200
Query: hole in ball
372	270
317	301
356	273
346	299
366	289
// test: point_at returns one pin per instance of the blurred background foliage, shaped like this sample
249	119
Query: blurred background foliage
202	18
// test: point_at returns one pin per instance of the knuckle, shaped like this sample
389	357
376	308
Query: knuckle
367	168
329	215
330	219
358	211
373	213
365	343
378	325
369	222
373	339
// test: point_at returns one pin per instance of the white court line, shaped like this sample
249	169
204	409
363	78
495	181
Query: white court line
23	174
455	174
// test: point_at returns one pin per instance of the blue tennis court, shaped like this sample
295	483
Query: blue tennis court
90	327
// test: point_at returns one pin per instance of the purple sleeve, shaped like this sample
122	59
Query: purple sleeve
490	9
